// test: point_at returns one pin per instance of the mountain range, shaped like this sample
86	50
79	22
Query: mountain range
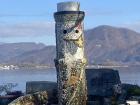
103	45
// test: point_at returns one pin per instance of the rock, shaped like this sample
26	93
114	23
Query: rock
102	82
39	98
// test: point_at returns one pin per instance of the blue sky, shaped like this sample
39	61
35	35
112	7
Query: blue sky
32	20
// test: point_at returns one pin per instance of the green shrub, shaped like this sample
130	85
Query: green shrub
134	91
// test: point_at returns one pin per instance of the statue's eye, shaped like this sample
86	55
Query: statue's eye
64	31
76	31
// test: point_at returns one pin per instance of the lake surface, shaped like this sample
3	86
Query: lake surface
20	77
130	75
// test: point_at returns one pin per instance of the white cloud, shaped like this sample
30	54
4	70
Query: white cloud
26	29
104	12
134	26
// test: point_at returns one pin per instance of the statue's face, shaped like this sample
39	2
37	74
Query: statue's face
70	38
71	31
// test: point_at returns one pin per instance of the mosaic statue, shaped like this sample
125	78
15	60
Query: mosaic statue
70	60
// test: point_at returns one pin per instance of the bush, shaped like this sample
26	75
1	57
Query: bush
134	91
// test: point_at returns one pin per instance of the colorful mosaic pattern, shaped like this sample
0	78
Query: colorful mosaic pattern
70	60
39	98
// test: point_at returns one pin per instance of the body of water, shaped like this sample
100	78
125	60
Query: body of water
130	75
20	77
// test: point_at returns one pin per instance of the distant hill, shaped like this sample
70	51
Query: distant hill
111	44
1	43
10	50
44	56
103	44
